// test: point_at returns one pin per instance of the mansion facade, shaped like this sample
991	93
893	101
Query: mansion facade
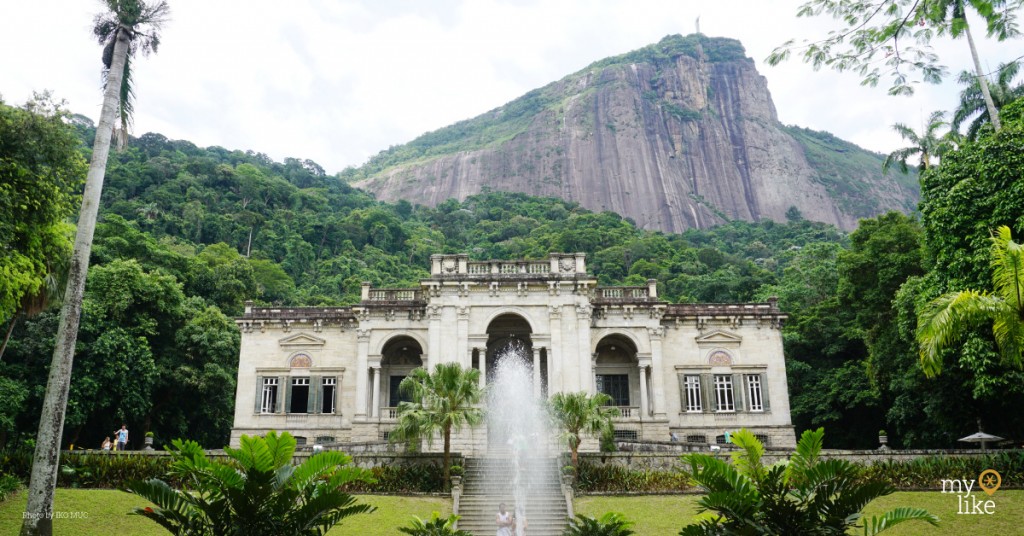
688	371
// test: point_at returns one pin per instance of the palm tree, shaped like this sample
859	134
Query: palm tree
972	103
130	26
442	402
951	16
804	495
576	414
928	144
258	492
949	317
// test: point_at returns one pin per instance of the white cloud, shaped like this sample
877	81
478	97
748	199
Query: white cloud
337	82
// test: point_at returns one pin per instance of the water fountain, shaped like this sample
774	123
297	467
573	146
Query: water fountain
518	432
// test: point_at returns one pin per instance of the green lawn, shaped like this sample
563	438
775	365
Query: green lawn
661	515
103	512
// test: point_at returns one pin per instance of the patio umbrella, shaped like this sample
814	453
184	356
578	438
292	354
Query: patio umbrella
980	437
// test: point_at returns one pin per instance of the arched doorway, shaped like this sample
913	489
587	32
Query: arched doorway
508	337
617	373
399	357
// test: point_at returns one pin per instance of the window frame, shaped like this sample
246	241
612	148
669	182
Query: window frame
725	396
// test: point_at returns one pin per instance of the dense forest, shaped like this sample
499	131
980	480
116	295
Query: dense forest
188	234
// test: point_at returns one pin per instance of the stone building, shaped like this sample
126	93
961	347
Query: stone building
330	374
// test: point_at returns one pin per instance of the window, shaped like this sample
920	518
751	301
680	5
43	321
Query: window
615	386
269	397
385	435
328	386
692	387
299	401
300	441
626	435
395	396
696	438
324	440
720	440
762	438
724	400
755	400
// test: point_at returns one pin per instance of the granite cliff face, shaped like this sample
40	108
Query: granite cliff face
677	135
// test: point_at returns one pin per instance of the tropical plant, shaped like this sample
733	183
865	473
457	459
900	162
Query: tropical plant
609	524
443	401
435	526
972	102
576	414
129	26
928	144
891	38
257	493
805	495
945	320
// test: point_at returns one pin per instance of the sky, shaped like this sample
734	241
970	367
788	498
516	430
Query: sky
337	81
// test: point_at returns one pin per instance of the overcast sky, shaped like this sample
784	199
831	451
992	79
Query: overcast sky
337	81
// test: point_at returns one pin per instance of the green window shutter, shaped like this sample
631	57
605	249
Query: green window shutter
259	394
738	393
314	395
764	392
288	395
707	385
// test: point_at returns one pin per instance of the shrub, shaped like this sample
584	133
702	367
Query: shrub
609	524
927	472
616	478
806	495
258	492
456	470
435	526
8	485
401	479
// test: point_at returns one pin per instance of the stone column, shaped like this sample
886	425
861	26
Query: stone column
482	357
657	373
583	312
462	335
555	381
362	357
643	392
593	372
536	371
375	408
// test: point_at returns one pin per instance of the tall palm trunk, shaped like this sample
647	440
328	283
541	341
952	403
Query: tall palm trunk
43	481
993	113
447	455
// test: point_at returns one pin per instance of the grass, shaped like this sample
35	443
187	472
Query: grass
104	512
662	514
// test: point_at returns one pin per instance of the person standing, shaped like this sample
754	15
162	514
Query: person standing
106	444
122	437
504	520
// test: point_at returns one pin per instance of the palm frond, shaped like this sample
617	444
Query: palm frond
896	516
947	318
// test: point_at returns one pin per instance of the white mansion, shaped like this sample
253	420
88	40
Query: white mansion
330	374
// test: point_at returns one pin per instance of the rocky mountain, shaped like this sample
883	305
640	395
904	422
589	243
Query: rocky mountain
676	135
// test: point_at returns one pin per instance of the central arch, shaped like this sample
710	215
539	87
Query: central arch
508	337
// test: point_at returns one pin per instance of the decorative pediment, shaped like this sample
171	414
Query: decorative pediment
301	340
719	338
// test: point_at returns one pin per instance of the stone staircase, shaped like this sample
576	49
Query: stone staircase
487	482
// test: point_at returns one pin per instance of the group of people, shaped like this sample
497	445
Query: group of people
121	437
508	522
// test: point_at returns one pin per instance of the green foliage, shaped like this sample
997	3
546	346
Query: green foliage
948	318
41	170
972	103
612	478
807	495
890	39
401	479
90	469
443	401
8	485
577	414
258	493
928	472
435	526
609	524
